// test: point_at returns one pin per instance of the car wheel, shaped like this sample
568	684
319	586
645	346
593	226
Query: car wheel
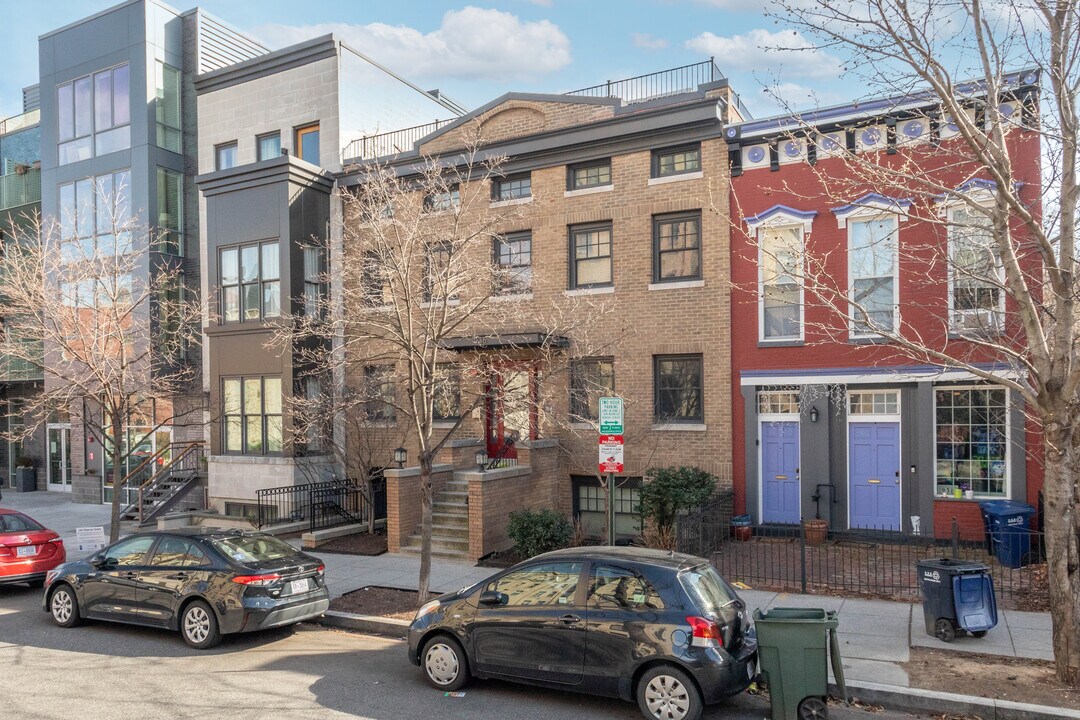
668	693
445	664
64	607
199	626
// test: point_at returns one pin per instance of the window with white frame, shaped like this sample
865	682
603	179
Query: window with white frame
872	265
976	300
778	402
781	291
972	440
874	402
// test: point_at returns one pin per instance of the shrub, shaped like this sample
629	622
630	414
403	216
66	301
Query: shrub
672	490
538	531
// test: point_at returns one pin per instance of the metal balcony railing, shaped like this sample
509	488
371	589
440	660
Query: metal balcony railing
18	369
388	143
20	188
656	85
18	122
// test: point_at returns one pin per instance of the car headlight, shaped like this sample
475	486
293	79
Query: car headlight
427	609
50	576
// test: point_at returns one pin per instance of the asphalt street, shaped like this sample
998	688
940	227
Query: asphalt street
106	671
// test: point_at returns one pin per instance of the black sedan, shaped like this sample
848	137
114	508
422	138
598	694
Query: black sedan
204	582
659	627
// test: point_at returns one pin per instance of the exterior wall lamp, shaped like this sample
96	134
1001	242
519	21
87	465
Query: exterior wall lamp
813	414
399	457
481	460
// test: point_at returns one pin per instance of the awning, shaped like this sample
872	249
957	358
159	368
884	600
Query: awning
506	340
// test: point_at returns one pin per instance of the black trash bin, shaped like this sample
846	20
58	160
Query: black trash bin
957	595
1007	533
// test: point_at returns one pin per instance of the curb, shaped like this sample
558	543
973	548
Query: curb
365	623
893	697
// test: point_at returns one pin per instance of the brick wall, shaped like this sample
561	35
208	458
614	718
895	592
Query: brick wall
968	516
404	507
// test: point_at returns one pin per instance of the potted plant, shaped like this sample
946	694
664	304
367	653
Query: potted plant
25	475
816	531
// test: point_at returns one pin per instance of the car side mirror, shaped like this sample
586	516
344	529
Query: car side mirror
493	597
103	561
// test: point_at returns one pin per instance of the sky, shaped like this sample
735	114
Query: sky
476	52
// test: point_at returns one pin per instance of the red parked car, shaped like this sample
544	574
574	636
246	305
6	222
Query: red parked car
27	550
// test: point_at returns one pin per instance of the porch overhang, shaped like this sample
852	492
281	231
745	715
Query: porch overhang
505	341
871	375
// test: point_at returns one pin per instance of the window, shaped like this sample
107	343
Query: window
18	523
679	393
547	584
676	161
591	505
443	200
867	402
781	291
379	393
252	410
307	143
167	85
613	588
972	433
778	402
590	380
225	156
313	281
170	208
589	175
250	282
677	247
94	115
131	552
177	552
171	341
375	288
514	187
446	393
513	263
590	256
317	428
438	279
268	146
975	274
872	268
95	216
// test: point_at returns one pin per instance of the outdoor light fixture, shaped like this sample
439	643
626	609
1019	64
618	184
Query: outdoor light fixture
399	457
813	414
481	460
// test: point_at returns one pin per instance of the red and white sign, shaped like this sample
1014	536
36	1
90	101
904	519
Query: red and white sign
611	453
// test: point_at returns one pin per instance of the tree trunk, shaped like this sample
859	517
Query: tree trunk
425	528
118	479
1061	517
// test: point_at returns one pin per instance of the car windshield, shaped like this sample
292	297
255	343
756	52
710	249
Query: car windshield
253	548
16	522
707	588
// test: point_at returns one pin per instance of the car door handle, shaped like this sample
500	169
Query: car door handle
129	575
178	576
570	619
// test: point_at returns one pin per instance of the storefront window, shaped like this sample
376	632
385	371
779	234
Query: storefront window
972	434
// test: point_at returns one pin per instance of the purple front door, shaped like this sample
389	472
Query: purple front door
780	472
874	472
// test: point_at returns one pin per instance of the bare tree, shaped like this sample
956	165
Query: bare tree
1001	185
434	318
82	302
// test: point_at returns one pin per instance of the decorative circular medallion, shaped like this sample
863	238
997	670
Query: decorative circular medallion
871	136
1006	110
951	125
792	148
913	128
731	132
830	143
1030	78
756	154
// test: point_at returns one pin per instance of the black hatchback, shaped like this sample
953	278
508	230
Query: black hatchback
660	628
204	582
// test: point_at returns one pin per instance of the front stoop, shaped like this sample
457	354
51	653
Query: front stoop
450	524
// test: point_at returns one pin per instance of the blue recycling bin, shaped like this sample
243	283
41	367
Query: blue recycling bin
1007	530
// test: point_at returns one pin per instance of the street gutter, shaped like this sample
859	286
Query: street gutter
372	624
893	697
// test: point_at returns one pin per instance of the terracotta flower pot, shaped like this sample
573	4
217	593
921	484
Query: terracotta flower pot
816	531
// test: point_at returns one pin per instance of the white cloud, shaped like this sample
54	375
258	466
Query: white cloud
784	52
780	98
648	42
471	43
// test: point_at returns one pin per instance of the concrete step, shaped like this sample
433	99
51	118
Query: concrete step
435	553
451	496
459	485
450	508
450	519
457	532
442	543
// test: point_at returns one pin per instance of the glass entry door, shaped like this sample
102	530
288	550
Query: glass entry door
59	467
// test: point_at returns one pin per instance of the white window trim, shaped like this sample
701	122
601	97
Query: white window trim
511	202
1008	443
680	427
680	285
982	197
853	332
872	417
605	290
511	297
589	191
697	175
780	221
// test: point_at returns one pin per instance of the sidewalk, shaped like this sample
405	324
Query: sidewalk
57	512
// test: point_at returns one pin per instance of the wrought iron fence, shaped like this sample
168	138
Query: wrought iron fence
321	505
863	562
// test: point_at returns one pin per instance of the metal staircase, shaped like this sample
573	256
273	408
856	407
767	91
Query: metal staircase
174	471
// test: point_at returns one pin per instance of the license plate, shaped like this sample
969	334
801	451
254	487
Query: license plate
26	551
298	586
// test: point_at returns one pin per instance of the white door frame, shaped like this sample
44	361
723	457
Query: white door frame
875	418
64	459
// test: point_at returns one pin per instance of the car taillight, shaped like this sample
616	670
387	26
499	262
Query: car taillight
321	569
257	580
706	633
58	541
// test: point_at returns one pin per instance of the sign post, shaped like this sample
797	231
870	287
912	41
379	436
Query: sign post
611	452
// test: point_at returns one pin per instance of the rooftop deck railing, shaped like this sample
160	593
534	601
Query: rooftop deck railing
18	122
388	143
663	83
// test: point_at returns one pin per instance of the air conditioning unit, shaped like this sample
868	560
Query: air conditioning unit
976	322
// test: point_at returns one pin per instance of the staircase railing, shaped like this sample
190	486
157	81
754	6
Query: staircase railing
502	458
322	504
185	457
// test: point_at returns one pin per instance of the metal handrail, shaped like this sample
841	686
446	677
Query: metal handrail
371	147
640	88
500	459
165	471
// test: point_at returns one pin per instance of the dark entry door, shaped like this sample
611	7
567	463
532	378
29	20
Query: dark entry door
509	411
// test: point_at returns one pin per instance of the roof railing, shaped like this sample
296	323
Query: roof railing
663	83
388	143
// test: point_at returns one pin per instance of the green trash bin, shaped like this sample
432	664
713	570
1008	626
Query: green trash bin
793	652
